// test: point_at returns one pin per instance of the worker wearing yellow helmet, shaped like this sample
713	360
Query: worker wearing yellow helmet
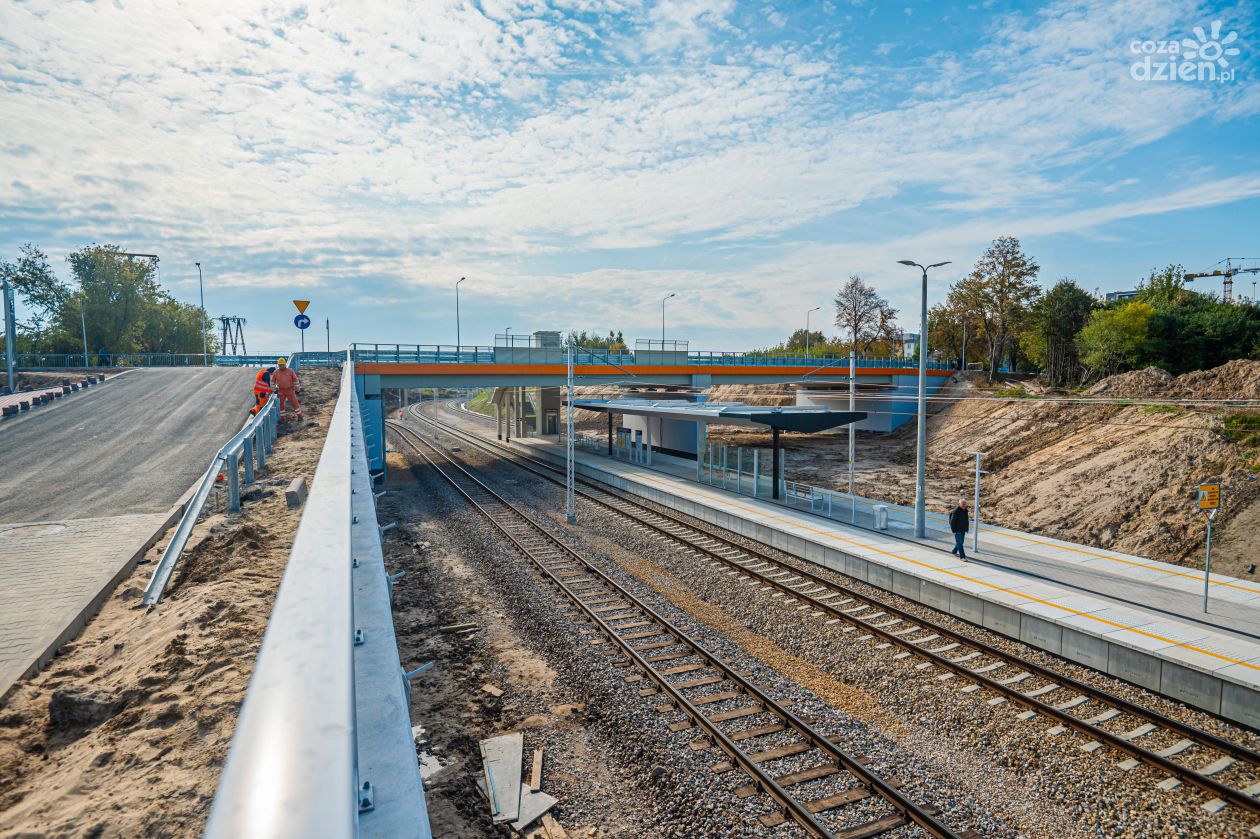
286	384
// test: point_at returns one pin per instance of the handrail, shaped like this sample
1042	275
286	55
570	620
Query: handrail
256	437
292	767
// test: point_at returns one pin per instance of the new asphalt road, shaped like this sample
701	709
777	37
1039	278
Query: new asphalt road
134	444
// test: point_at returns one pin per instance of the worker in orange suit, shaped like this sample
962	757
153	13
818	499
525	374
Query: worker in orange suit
263	389
286	382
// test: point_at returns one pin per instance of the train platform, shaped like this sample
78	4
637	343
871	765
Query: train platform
1210	667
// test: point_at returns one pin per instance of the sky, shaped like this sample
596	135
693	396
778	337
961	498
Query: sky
579	160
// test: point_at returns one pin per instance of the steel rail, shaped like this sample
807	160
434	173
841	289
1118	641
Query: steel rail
791	805
1204	738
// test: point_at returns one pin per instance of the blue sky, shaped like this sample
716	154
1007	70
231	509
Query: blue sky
578	160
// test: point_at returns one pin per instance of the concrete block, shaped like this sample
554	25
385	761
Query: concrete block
1084	649
1133	666
295	495
1241	704
9	410
966	606
74	387
934	595
1002	619
879	575
1201	690
65	389
1041	633
905	584
24	404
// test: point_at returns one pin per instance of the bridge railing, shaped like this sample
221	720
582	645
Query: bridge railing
449	354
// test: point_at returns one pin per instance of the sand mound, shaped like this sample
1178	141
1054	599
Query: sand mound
1148	382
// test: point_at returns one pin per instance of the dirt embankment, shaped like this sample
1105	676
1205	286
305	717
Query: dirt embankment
125	732
1110	473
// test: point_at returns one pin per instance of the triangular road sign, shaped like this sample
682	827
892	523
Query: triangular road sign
301	305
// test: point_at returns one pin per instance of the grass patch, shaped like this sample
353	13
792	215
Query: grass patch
481	403
1013	393
1242	428
1163	409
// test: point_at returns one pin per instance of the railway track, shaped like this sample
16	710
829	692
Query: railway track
748	726
1106	720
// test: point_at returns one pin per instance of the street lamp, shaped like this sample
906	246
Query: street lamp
457	340
663	299
920	504
807	314
205	354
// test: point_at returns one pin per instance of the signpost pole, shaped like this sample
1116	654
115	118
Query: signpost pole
1209	503
975	533
1207	565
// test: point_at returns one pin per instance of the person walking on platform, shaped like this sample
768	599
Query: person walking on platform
263	389
959	524
286	382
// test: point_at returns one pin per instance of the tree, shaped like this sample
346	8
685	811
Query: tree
1164	289
863	315
34	281
613	343
1113	339
800	340
1056	318
998	293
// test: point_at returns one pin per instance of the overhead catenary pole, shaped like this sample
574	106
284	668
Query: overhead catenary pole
570	510
852	432
663	299
920	500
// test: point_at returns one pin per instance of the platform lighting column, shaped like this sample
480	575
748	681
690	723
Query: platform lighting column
457	335
666	297
570	511
920	503
807	314
83	326
205	352
9	324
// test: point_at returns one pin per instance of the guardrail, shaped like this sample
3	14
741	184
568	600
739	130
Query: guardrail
450	354
61	361
292	770
253	442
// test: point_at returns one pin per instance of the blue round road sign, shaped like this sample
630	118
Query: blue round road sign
301	321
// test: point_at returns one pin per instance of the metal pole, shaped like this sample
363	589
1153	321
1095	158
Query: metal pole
205	352
975	533
920	497
807	314
457	334
327	335
10	383
1207	565
568	443
83	325
663	299
756	471
963	364
852	432
775	462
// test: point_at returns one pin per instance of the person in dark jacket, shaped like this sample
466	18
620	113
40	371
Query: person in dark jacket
959	523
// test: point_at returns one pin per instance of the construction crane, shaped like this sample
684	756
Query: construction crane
1228	274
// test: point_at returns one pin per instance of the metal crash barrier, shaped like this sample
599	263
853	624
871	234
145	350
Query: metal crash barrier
323	746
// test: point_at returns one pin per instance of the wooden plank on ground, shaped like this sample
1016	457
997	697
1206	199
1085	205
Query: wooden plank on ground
535	773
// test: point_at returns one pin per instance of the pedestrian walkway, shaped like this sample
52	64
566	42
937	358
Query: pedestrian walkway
55	575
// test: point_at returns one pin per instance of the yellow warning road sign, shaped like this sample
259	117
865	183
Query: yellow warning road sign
301	306
1209	496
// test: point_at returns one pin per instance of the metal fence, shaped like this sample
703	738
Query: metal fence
248	448
450	354
62	361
